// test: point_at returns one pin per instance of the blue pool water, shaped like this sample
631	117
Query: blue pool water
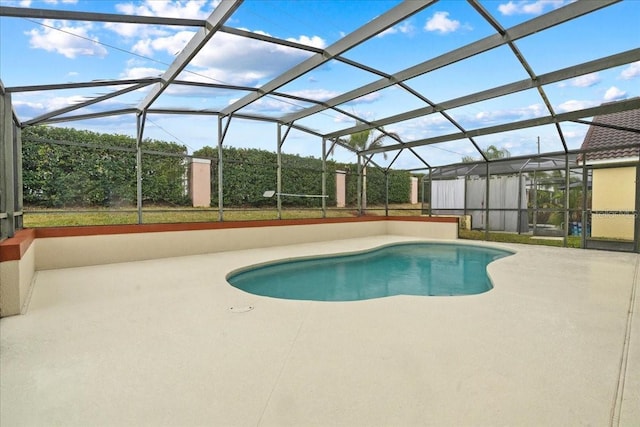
401	269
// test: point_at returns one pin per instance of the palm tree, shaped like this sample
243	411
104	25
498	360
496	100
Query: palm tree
492	153
367	140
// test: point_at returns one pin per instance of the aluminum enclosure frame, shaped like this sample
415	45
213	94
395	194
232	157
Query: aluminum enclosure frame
217	22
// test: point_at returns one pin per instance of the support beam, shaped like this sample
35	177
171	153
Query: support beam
78	117
79	105
636	230
486	204
80	85
359	185
525	64
567	187
324	178
614	107
7	167
279	171
548	20
68	15
222	133
199	40
140	122
616	60
364	33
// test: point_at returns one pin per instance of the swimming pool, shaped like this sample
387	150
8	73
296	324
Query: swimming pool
429	269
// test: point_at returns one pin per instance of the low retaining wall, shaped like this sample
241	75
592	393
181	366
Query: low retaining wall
64	247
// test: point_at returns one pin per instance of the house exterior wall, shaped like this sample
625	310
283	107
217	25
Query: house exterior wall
613	191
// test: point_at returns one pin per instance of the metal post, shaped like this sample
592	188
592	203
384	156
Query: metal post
535	201
7	154
585	195
279	172
430	192
140	121
486	207
17	177
566	199
359	185
466	185
636	233
386	193
422	196
220	171
324	178
520	202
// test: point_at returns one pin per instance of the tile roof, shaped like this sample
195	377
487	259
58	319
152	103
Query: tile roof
626	143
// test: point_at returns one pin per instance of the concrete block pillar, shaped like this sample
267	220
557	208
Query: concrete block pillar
200	182
414	190
341	189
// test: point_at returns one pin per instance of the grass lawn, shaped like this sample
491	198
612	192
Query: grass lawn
572	241
154	215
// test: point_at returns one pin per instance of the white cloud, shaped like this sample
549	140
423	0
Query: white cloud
573	105
143	47
63	38
266	105
39	105
171	44
405	27
441	23
515	114
134	30
366	99
614	94
191	9
231	59
141	73
27	3
313	41
587	80
315	94
633	70
529	7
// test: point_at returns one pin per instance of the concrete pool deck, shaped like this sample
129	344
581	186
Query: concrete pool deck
169	343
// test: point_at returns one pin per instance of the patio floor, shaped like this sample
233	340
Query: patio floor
169	343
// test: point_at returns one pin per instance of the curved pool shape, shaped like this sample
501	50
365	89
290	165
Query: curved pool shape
401	269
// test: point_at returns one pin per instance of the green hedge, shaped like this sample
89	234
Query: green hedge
58	172
65	167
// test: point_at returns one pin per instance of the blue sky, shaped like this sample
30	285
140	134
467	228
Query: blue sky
34	52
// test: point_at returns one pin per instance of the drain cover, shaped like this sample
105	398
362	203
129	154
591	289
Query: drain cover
243	309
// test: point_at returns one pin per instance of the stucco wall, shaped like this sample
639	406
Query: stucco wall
613	191
53	248
15	282
62	252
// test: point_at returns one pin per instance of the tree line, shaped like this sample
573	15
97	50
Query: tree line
65	167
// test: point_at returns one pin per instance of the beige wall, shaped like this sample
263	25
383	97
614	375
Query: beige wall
427	230
16	276
76	251
613	190
15	283
200	183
